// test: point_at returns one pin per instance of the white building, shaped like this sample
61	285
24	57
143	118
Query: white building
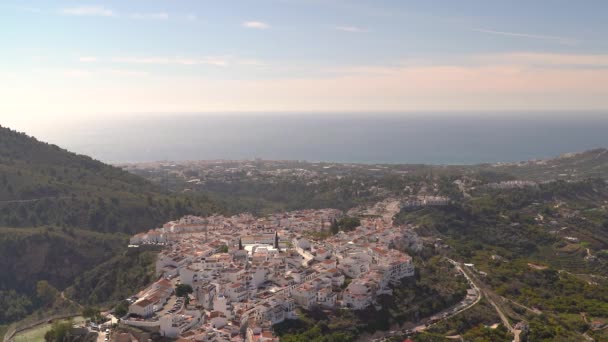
143	307
304	295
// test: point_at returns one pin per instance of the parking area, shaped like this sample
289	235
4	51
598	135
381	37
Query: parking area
174	304
104	335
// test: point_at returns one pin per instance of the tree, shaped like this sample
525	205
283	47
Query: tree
92	313
59	332
121	309
349	223
334	228
45	292
182	290
240	245
276	240
223	249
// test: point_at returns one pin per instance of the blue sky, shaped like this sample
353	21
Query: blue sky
86	58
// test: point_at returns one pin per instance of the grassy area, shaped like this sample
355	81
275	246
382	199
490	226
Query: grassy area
37	333
3	329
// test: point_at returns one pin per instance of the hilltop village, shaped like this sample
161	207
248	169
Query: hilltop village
248	273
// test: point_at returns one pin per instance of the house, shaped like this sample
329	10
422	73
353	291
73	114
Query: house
326	298
205	293
321	253
143	308
258	277
222	304
337	278
354	266
217	319
173	325
304	295
257	334
329	264
273	312
236	291
358	295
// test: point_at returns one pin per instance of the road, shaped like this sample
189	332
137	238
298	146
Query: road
69	300
492	299
33	200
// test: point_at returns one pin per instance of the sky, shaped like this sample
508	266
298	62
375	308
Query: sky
63	60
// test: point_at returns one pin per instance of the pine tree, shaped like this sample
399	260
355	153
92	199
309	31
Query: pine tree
276	241
240	245
334	228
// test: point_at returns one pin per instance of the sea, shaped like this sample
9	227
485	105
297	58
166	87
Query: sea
413	138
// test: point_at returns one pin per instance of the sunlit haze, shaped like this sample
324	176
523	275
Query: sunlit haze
71	59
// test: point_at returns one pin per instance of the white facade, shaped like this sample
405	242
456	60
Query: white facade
305	296
143	308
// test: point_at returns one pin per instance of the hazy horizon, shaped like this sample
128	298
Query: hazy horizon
92	76
429	138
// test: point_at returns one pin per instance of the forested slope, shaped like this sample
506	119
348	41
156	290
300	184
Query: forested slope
67	214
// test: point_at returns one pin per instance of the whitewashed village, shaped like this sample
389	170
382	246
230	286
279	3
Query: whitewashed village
248	273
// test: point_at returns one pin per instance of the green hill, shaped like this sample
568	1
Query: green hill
569	166
66	215
42	184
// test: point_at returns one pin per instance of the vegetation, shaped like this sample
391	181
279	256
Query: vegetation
42	185
69	217
485	334
59	332
117	278
575	166
319	333
433	288
268	195
472	323
182	290
121	309
15	305
514	237
91	313
345	224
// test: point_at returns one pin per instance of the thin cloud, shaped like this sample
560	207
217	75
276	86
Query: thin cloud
150	16
98	11
256	25
82	73
216	61
351	29
558	39
558	60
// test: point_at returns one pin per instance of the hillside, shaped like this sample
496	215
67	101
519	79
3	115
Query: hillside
42	184
569	166
67	214
544	248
